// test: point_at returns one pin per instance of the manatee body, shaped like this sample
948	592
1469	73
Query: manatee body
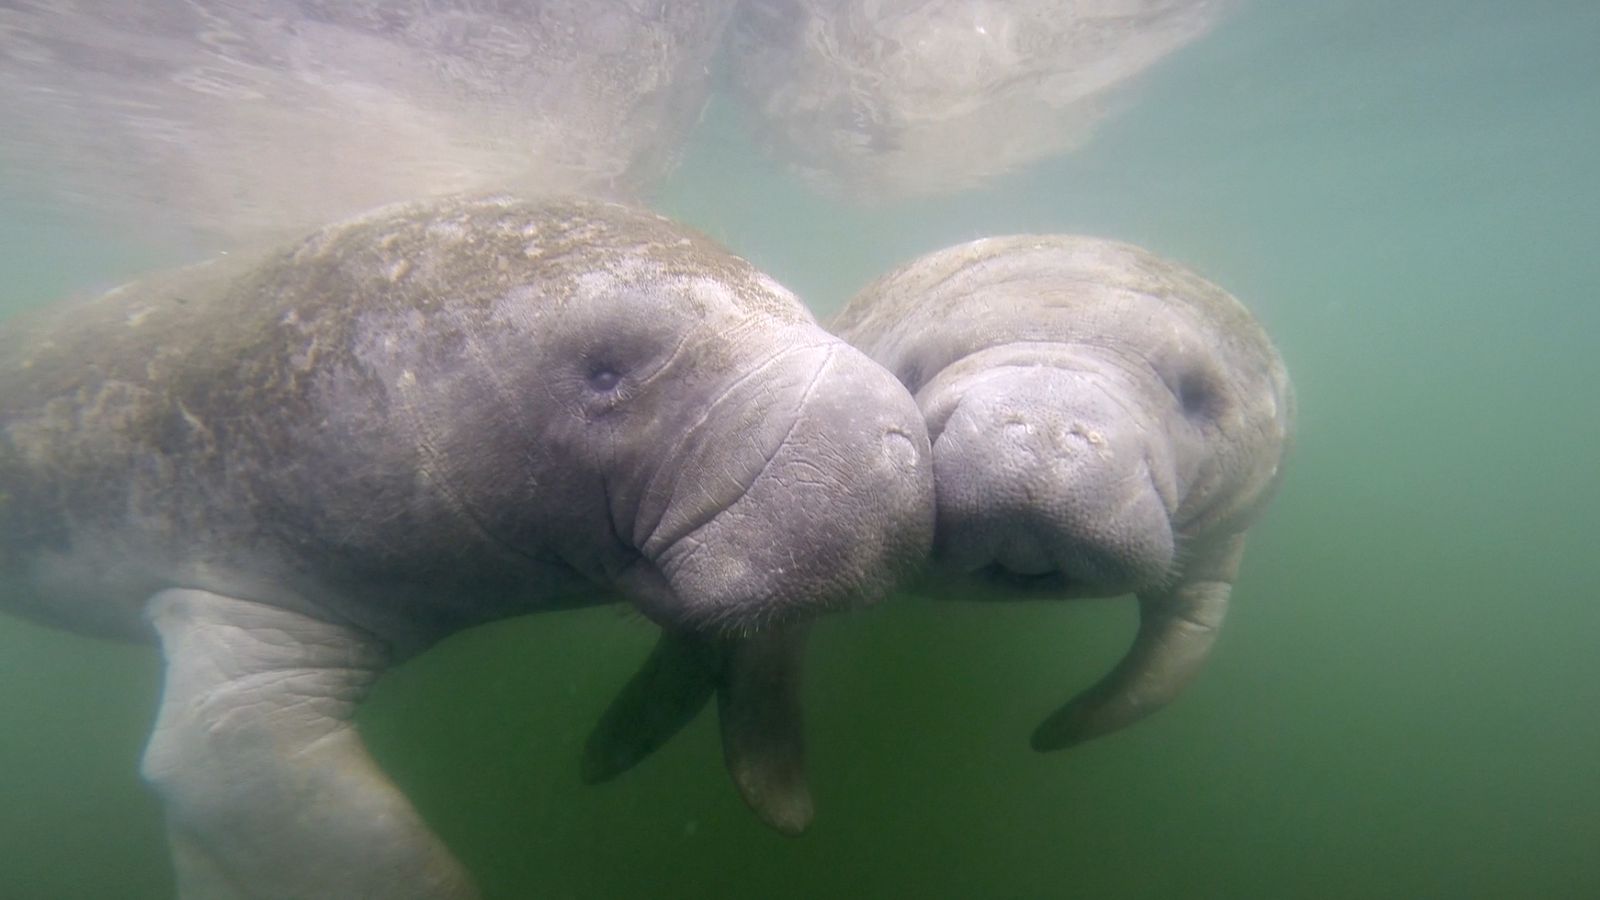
242	121
1104	422
892	98
295	469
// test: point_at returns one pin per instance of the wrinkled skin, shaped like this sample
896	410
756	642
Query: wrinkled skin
294	470
260	119
1104	423
886	99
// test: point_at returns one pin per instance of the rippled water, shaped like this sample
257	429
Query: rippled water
1406	700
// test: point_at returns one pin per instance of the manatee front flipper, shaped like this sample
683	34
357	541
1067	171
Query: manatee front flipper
268	789
757	683
763	726
667	692
1177	629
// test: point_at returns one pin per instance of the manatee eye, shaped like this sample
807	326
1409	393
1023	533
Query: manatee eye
604	379
1199	394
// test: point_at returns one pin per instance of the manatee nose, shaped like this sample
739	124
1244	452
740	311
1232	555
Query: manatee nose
832	511
860	449
1039	471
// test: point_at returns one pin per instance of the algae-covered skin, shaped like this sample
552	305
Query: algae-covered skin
294	469
886	99
1104	422
237	122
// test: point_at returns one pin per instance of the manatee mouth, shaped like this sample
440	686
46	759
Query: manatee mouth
647	588
1052	582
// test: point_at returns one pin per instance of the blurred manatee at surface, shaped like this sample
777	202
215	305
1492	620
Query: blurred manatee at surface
886	99
254	119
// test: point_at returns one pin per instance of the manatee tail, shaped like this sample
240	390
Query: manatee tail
1177	629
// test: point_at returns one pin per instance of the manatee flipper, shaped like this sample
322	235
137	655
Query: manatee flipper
763	734
757	683
666	694
1177	629
198	874
268	789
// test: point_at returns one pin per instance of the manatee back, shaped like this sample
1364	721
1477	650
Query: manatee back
253	318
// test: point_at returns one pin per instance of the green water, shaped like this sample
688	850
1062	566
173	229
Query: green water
1406	700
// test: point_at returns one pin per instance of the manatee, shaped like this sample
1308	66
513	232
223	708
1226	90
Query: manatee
293	470
244	122
887	99
1104	422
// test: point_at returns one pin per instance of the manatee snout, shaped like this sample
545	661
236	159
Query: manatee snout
1049	479
833	504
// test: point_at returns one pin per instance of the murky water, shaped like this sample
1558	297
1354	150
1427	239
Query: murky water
1406	700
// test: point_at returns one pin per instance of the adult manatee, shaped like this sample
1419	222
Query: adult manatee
295	470
1104	422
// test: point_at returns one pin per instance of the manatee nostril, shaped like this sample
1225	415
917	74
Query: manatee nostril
900	450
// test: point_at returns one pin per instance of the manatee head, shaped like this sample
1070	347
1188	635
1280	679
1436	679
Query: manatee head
1103	422
609	395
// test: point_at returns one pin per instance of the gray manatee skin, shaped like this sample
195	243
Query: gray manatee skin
294	469
258	120
1104	422
887	99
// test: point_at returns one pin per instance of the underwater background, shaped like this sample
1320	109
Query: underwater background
1406	699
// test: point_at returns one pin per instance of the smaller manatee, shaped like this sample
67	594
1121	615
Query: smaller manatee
1104	422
